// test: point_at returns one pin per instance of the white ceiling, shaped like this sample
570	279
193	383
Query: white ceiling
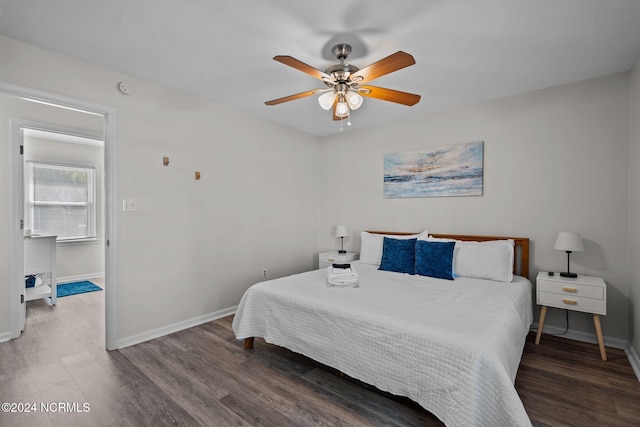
466	51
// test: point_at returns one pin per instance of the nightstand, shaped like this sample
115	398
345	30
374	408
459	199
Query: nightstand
583	293
325	259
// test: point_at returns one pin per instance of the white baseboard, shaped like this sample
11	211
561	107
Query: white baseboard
5	336
175	327
633	359
78	278
593	339
582	336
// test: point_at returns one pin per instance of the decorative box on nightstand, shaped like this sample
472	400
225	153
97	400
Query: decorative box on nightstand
583	293
325	259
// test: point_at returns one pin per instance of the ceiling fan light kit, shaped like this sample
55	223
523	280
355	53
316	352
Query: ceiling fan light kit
354	100
327	99
342	109
345	82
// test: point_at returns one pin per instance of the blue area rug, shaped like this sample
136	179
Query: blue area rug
75	288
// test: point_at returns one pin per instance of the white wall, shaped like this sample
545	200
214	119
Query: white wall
84	259
554	160
634	206
192	247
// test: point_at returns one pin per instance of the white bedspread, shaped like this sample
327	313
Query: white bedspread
452	346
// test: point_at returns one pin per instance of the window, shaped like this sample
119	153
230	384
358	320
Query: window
61	200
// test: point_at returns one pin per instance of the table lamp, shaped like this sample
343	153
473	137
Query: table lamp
568	242
341	232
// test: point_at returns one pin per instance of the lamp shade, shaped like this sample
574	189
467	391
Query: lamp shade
342	108
341	231
353	99
326	100
567	241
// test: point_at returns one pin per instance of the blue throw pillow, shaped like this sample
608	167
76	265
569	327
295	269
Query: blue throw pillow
435	259
399	255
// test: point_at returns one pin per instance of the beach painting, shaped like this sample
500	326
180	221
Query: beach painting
449	170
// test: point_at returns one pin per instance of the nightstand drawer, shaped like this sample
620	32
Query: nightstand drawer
335	258
331	258
325	259
571	289
571	302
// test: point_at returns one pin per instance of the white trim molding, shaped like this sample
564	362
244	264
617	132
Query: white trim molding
79	278
581	336
633	359
175	327
17	305
592	339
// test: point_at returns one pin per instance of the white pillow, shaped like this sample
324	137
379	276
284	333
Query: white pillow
371	245
491	260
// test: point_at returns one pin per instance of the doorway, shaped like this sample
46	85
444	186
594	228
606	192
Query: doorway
17	125
63	197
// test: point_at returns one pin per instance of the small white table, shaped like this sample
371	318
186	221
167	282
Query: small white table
325	259
583	293
40	257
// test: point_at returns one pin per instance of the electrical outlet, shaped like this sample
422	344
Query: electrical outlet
129	205
264	272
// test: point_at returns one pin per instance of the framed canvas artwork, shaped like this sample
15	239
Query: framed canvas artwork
449	170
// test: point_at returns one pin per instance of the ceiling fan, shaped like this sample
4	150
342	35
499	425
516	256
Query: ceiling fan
346	83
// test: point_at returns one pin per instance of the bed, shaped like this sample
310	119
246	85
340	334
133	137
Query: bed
452	346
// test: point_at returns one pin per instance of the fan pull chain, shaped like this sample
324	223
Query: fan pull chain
348	121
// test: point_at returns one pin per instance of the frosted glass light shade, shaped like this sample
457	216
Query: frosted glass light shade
326	100
354	100
569	242
341	231
342	109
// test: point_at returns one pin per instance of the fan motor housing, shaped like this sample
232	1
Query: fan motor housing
341	72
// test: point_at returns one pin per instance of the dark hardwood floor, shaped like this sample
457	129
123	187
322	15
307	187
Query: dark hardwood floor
565	383
203	376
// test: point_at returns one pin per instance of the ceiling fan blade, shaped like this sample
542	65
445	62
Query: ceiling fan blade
305	68
386	65
390	95
292	97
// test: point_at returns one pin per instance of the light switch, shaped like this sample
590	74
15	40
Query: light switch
129	205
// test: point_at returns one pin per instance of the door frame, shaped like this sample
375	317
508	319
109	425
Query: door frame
17	127
15	192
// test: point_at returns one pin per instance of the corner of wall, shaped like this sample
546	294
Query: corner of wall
634	360
634	208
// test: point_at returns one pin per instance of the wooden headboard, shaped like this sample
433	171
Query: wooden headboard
521	254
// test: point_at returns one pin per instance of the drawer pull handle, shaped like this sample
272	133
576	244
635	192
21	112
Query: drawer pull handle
569	301
569	289
330	259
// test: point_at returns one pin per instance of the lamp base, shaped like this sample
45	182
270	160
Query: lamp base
342	252
567	274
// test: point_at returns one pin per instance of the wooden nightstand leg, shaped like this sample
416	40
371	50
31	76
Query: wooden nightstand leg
596	321
543	314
